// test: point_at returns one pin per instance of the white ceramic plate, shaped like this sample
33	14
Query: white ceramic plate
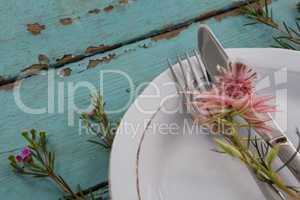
157	155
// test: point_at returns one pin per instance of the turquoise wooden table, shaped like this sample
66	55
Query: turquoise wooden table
75	41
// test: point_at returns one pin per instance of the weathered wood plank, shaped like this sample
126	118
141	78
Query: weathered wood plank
34	34
79	161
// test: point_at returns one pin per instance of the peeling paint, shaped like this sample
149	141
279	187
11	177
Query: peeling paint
69	58
98	49
124	2
43	59
168	35
232	13
34	69
66	21
207	15
105	59
145	46
93	63
129	50
65	72
36	28
10	86
108	8
94	11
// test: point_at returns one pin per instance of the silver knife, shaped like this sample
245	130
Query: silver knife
213	54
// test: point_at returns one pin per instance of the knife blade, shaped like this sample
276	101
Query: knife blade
211	51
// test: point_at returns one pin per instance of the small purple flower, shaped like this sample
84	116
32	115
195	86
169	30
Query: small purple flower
25	153
19	158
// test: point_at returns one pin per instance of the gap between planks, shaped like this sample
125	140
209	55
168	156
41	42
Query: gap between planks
152	34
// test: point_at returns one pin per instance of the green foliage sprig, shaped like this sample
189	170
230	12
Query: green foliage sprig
259	161
261	13
98	123
37	161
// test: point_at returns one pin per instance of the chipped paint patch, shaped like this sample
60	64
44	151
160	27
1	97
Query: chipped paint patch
128	50
145	46
93	63
124	2
232	13
94	11
10	86
98	49
105	59
168	35
36	28
34	69
43	59
108	8
66	21
69	58
65	72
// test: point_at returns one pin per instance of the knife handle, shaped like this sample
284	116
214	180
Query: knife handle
268	192
287	153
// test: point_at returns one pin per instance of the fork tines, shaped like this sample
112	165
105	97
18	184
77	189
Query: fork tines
190	76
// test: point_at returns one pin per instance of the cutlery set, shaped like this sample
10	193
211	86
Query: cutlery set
197	72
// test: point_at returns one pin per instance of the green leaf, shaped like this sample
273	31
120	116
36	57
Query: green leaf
297	24
295	32
298	6
272	155
283	44
286	28
51	157
14	166
12	158
229	149
33	134
43	140
40	175
266	8
84	116
25	134
28	139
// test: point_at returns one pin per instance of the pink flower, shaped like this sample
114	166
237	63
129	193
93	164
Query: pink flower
233	95
25	153
237	80
255	110
212	102
214	106
259	9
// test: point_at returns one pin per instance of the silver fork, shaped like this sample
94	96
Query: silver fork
192	76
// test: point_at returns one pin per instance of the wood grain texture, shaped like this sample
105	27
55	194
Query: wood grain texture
77	160
57	28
